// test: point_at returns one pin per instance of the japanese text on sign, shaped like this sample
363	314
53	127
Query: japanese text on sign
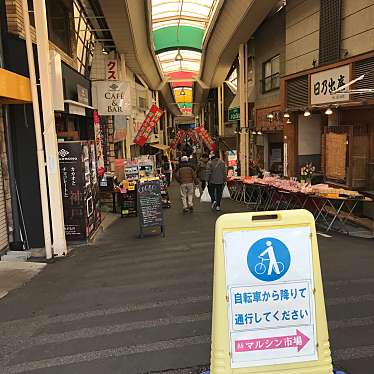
280	305
149	123
323	85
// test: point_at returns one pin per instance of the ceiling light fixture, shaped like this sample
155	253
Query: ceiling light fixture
306	113
183	92
178	56
328	111
286	115
270	115
104	51
288	121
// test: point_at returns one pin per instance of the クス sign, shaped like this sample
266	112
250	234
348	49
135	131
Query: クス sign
113	98
324	83
268	306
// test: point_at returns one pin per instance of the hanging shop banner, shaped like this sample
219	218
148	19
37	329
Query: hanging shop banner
112	70
268	304
98	145
322	84
148	124
192	136
179	136
113	98
203	134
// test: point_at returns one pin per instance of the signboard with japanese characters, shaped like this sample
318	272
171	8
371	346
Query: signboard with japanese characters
112	70
178	139
148	125
274	312
205	137
322	85
113	98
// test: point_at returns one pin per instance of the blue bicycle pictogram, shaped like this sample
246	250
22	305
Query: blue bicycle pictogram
268	259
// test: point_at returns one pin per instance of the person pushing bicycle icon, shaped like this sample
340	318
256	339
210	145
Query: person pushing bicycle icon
268	255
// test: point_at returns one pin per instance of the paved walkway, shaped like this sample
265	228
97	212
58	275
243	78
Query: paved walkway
126	305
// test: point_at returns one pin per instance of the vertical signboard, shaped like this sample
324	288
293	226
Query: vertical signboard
268	307
150	121
112	70
205	137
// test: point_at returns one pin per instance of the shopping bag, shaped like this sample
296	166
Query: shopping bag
197	191
226	193
205	198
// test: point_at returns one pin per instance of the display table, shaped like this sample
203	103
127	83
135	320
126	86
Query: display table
332	211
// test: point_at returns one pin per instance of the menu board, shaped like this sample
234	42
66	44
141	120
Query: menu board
150	204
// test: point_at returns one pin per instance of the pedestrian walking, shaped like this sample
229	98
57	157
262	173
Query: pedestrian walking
216	176
202	170
186	177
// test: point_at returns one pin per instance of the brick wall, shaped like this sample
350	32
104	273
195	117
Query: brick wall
16	26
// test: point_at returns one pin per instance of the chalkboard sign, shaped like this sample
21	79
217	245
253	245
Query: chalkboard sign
150	204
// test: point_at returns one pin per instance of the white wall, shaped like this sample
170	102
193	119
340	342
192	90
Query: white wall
309	135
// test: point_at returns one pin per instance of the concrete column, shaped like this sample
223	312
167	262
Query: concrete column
221	111
243	96
50	137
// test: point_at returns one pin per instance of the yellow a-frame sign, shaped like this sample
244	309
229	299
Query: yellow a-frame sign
268	304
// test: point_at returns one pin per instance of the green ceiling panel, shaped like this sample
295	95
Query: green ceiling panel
167	38
185	105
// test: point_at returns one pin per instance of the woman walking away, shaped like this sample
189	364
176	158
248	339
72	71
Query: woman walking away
201	170
217	176
186	176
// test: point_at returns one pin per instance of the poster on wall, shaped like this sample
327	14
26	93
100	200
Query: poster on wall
150	121
113	98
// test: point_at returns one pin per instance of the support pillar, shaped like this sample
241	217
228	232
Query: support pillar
50	137
243	98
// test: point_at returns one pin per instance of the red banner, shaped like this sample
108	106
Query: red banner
192	135
206	138
148	124
178	139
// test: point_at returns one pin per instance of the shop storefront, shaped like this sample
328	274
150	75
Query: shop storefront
268	139
334	131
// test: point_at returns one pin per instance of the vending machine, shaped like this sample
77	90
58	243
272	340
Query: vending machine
80	189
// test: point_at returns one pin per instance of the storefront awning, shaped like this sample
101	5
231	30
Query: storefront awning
14	88
160	146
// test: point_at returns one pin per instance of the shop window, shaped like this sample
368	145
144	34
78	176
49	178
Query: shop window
271	74
31	12
85	39
59	30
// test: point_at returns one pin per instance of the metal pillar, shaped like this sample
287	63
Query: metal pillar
243	96
166	127
50	137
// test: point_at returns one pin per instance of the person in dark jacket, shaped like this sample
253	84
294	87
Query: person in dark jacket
186	176
217	176
202	170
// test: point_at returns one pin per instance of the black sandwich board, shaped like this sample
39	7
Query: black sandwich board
150	205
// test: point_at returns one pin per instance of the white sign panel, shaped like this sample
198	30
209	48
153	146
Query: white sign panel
324	83
113	98
269	277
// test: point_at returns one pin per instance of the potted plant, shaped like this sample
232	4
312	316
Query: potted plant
306	173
